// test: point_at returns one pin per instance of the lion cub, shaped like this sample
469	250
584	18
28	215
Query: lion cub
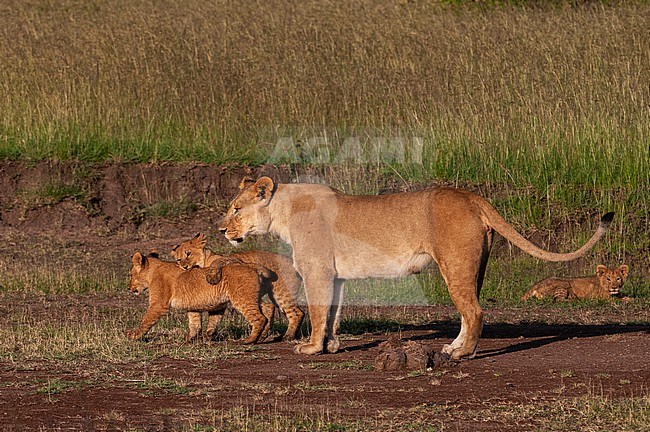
172	287
282	287
606	284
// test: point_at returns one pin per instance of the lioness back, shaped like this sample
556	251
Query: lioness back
606	284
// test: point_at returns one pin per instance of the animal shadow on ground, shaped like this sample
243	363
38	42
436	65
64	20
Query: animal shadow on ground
534	334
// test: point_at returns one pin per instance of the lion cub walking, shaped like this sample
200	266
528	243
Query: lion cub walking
606	284
172	287
282	287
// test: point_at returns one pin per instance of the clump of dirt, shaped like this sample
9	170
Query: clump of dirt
410	356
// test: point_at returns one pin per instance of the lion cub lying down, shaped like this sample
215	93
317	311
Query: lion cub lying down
282	287
172	287
606	284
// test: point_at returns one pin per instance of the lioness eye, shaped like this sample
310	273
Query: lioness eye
188	253
235	211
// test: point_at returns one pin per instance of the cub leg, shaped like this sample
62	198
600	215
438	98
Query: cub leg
194	325
268	310
151	317
283	297
214	318
249	307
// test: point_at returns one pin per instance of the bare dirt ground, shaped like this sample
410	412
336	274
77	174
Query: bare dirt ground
538	356
517	364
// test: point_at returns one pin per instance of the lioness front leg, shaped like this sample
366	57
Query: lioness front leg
334	318
151	317
319	292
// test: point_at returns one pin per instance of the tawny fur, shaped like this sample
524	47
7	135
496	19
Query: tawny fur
606	284
172	287
337	236
282	287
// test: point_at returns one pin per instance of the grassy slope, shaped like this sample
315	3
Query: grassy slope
542	109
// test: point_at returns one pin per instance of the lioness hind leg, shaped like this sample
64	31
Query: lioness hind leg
471	323
464	282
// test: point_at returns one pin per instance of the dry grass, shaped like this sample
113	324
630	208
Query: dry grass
223	81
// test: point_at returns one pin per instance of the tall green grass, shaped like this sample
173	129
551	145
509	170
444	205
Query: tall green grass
543	108
503	93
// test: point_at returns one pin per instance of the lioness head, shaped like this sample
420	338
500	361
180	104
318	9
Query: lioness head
140	275
612	279
191	253
248	213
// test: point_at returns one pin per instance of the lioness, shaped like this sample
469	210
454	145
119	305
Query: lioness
282	287
198	290
337	236
606	284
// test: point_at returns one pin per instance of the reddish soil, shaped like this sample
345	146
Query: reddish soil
524	357
516	363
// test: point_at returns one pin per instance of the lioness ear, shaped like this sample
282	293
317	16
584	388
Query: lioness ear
245	182
600	270
625	270
264	188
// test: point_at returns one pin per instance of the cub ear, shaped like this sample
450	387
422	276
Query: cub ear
625	271
600	270
138	260
264	188
199	240
245	182
153	254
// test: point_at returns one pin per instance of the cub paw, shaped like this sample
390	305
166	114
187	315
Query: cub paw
133	334
213	275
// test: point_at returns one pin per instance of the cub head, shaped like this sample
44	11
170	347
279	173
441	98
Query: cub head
140	275
248	212
191	253
612	279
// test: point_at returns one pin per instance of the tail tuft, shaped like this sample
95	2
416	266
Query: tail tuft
607	219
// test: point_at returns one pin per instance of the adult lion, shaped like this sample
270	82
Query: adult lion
337	236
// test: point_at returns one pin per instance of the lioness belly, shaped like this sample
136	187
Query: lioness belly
366	264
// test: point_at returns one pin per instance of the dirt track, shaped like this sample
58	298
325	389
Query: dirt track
527	356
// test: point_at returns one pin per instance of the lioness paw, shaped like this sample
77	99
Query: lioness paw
308	348
333	345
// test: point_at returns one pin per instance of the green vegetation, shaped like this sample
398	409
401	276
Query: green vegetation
542	107
505	94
